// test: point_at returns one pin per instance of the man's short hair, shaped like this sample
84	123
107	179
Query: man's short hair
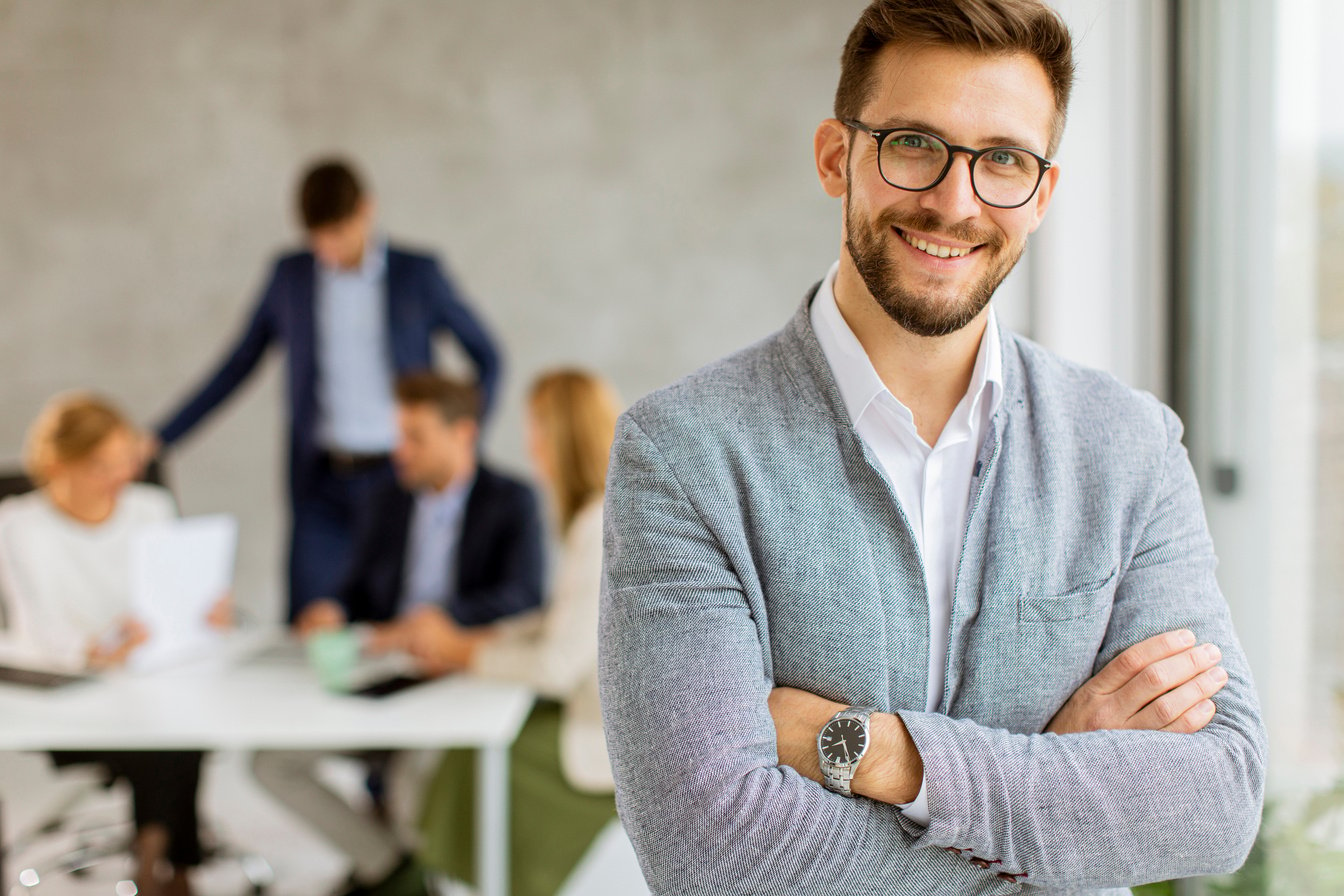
454	399
985	26
329	193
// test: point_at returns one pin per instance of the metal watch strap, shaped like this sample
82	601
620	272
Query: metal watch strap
837	777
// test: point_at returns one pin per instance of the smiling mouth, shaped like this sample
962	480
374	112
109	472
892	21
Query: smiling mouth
935	249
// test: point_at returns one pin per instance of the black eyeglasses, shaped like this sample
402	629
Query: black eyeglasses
916	161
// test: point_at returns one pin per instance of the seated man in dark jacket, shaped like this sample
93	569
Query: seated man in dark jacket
451	538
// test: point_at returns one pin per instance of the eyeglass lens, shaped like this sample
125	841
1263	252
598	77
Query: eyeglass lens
1003	175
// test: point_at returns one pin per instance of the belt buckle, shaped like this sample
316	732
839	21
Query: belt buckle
345	463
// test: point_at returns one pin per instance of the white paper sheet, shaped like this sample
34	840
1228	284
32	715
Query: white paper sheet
179	569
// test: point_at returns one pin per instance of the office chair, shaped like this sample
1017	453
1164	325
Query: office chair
56	806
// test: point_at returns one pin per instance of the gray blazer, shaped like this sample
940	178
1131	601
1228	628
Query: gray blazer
752	541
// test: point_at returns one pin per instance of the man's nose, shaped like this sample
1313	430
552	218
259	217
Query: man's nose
954	197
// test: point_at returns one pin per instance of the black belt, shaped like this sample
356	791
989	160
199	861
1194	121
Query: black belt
349	463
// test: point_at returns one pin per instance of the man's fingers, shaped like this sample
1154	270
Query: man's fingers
134	632
319	616
1165	676
1194	719
1131	662
1174	708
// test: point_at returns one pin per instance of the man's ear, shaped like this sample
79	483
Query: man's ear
469	430
831	146
1041	201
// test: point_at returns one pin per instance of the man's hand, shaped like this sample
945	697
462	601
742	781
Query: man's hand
891	770
1161	684
147	448
386	637
799	717
438	644
319	616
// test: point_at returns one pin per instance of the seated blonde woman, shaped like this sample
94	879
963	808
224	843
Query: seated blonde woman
65	554
561	785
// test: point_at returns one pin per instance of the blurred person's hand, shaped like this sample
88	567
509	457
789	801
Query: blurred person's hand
436	642
386	637
323	615
222	614
111	652
1162	684
148	448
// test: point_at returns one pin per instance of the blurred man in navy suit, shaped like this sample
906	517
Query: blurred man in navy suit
450	539
352	313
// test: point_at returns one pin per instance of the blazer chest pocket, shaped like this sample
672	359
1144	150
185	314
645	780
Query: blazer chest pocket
1075	604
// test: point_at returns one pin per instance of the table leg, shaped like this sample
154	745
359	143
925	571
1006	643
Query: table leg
492	821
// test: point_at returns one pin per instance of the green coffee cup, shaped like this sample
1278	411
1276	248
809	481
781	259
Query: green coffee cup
333	656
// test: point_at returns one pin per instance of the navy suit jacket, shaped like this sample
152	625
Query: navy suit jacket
420	302
499	556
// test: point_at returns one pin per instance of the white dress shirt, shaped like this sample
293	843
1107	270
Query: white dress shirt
431	548
931	483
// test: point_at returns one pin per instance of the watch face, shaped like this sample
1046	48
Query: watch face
843	741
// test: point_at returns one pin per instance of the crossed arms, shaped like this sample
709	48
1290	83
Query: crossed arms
713	799
1164	683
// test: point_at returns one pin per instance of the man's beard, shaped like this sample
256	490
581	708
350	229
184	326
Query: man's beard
922	314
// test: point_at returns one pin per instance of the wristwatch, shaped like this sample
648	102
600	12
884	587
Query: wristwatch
841	744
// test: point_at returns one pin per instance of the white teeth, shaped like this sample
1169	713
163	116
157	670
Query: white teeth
934	249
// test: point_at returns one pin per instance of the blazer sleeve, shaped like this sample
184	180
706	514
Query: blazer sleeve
1115	808
683	681
237	365
517	560
449	311
555	660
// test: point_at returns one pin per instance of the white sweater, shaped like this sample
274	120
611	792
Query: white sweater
66	583
557	656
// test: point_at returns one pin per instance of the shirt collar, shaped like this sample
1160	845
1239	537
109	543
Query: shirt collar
371	266
855	375
443	505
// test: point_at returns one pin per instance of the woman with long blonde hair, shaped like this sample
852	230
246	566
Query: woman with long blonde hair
561	780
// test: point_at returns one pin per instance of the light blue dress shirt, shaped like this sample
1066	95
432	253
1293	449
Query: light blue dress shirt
431	548
356	402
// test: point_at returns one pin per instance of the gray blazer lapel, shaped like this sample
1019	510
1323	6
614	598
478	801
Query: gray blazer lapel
884	575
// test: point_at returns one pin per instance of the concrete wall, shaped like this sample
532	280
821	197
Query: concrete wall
627	185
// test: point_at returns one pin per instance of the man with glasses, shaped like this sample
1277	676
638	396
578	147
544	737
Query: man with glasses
896	601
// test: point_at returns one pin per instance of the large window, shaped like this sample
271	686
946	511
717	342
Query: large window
1260	358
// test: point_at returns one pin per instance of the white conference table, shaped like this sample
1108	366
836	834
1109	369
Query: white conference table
255	692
